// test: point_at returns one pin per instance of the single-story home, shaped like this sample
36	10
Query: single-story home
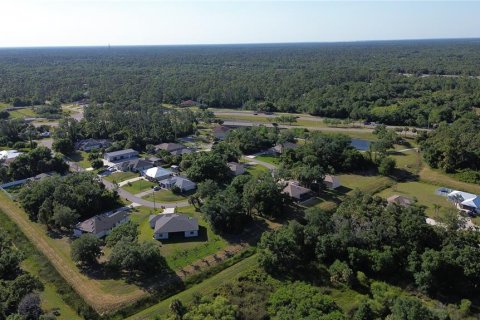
399	200
169	147
189	103
121	155
183	151
102	224
157	173
296	191
220	132
331	181
182	183
135	165
465	201
91	144
236	168
155	161
9	155
282	147
166	224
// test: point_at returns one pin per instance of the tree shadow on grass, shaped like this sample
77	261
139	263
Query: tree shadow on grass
179	237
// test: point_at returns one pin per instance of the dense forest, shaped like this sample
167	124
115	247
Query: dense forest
399	82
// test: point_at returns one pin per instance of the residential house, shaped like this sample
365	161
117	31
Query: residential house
465	201
189	103
169	147
165	225
91	144
282	147
183	151
157	174
220	132
155	161
135	165
399	200
121	155
7	156
296	191
331	181
182	183
236	168
101	225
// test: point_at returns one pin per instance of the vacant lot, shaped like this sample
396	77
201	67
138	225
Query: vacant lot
268	159
165	196
120	176
81	158
365	183
138	186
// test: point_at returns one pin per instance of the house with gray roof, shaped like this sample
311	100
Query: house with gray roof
236	168
282	147
135	165
91	144
182	183
166	224
121	155
296	191
102	224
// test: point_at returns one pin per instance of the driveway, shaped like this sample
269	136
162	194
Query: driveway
265	164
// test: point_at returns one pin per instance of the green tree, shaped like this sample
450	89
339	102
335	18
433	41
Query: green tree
386	166
86	249
127	230
340	273
63	216
218	308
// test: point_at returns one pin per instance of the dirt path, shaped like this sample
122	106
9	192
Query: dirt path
89	289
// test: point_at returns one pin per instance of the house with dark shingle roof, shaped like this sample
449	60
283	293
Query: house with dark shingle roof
282	147
182	183
136	165
166	224
296	191
102	224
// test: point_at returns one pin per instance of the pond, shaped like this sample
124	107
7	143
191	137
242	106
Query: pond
360	144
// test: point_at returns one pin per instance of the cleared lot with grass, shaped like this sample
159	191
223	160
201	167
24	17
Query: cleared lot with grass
138	186
81	158
120	176
166	196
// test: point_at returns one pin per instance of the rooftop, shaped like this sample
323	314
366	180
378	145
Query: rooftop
172	222
103	222
120	152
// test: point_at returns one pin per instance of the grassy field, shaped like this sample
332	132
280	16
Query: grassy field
256	169
269	159
369	184
424	193
120	176
138	186
437	178
166	196
178	251
81	158
22	113
102	294
204	288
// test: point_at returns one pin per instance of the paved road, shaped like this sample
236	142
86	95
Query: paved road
265	164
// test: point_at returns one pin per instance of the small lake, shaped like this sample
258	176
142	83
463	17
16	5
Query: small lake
360	144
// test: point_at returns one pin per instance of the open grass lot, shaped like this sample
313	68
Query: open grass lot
120	176
365	183
423	192
438	178
166	196
204	288
22	113
255	169
407	160
81	158
138	186
268	159
104	295
178	251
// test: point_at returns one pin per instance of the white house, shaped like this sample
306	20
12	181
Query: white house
465	201
331	181
166	224
157	173
102	224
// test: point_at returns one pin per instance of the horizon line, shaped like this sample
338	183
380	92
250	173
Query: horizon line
237	43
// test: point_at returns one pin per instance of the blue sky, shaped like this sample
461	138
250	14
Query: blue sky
152	22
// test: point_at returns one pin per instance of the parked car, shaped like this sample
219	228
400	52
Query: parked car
156	188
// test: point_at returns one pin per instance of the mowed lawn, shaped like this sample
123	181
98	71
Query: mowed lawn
179	251
365	183
81	158
22	113
268	159
166	196
138	186
424	193
120	176
438	178
256	169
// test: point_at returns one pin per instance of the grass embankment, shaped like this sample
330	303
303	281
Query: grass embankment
57	294
104	295
178	251
204	288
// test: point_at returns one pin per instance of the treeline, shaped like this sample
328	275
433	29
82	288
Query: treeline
60	202
387	242
380	81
